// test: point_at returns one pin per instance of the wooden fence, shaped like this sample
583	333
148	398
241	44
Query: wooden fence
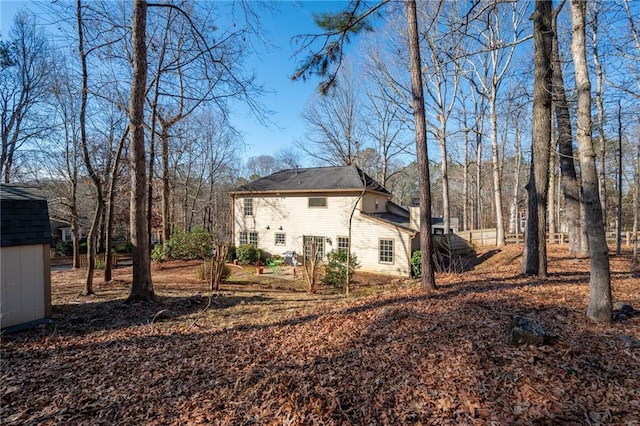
488	237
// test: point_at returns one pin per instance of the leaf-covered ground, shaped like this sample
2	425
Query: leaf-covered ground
263	352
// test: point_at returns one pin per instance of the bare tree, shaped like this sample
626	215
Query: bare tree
442	77
334	134
92	237
595	11
385	128
568	176
499	30
261	166
25	79
600	305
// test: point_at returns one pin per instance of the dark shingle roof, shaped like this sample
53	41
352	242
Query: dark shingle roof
24	216
314	179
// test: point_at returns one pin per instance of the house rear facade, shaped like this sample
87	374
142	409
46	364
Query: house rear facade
336	207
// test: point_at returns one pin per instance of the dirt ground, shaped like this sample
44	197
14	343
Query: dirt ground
264	351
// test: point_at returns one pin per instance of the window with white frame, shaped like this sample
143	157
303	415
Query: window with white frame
248	206
248	238
312	243
253	239
385	252
343	243
280	239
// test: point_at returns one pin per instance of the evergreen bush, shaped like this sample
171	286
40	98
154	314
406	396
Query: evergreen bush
336	270
248	254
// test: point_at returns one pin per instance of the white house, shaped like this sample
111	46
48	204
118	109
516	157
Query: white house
335	206
25	273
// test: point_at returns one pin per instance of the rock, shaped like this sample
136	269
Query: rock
622	311
624	308
525	332
630	341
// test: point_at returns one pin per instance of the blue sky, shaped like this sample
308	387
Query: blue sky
273	67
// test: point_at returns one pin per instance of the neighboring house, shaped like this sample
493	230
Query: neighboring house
25	275
61	231
336	207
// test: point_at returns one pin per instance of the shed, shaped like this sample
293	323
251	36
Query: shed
25	273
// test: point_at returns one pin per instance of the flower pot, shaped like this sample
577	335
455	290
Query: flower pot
259	269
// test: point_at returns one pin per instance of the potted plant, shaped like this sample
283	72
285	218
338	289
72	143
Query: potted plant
259	267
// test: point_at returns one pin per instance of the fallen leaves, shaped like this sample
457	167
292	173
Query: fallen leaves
264	356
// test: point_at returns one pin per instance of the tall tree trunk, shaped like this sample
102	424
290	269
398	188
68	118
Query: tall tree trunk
428	281
535	253
495	160
636	206
444	170
602	177
465	182
568	176
514	219
92	238
600	305
619	216
551	206
478	217
142	285
166	207
108	267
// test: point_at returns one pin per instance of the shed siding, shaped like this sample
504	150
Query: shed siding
23	296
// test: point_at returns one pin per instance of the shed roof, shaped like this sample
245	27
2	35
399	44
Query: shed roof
314	179
24	216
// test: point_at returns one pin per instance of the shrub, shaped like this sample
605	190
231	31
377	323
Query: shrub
123	248
231	254
204	272
416	263
189	245
248	254
336	270
64	248
158	253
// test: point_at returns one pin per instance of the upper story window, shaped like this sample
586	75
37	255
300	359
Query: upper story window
248	206
318	202
280	239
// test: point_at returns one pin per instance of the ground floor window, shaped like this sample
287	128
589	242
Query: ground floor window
385	251
343	243
248	238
